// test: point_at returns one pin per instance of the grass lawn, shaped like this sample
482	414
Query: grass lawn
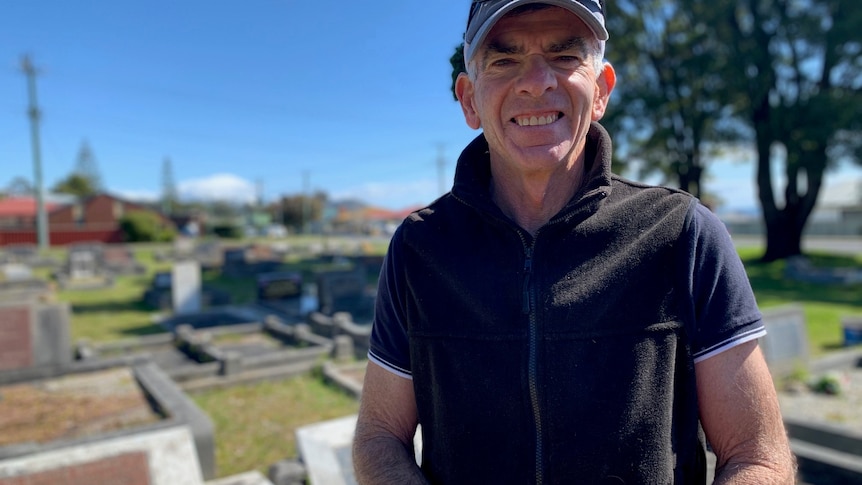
824	305
255	424
117	312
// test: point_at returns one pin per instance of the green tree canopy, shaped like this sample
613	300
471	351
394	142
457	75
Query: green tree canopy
797	80
75	184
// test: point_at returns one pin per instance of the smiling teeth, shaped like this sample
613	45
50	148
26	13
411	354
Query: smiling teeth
537	120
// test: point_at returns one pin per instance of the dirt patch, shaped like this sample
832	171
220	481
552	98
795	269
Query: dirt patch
72	407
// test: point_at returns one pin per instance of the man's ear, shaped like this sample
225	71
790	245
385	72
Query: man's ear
464	92
604	86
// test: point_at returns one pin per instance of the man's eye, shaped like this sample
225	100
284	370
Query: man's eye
502	62
569	59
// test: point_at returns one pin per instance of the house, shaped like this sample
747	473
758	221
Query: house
18	212
94	219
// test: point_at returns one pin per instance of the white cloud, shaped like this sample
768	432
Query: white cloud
138	195
223	187
392	195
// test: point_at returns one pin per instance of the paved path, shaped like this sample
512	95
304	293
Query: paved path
835	244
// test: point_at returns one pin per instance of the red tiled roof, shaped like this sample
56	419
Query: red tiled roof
21	206
377	213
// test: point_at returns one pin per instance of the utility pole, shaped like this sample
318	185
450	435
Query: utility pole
306	201
34	115
441	168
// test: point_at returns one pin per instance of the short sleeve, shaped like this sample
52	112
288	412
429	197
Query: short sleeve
389	346
724	309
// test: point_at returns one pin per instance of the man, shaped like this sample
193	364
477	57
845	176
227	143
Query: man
549	322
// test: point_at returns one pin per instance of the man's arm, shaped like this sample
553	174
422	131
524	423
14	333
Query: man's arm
740	415
383	443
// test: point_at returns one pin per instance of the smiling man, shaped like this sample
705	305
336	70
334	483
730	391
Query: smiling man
549	322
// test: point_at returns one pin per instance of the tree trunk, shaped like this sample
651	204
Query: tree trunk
783	234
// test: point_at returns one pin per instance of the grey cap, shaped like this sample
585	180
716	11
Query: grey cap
485	13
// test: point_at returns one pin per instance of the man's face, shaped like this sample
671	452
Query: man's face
535	90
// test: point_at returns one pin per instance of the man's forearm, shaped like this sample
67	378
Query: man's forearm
380	460
745	474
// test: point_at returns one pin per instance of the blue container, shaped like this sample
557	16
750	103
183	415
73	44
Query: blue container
852	334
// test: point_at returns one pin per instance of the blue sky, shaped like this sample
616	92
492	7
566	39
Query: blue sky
240	94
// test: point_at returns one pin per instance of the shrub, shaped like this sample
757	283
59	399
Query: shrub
145	227
228	231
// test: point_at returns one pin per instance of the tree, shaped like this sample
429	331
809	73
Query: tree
798	72
457	63
667	106
75	184
84	181
293	209
18	187
86	167
140	226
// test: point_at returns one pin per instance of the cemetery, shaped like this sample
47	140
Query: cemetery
251	318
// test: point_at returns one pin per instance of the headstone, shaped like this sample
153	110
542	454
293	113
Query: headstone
785	346
16	337
15	272
183	247
120	259
279	286
186	287
234	256
21	253
343	291
82	264
34	335
162	280
209	254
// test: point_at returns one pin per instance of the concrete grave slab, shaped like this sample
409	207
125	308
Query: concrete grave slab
167	455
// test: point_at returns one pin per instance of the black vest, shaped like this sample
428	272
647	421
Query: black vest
559	358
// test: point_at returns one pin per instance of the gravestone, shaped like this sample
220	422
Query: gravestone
20	253
281	286
16	337
82	265
120	260
183	247
344	291
208	254
33	334
785	346
281	291
234	256
15	272
186	287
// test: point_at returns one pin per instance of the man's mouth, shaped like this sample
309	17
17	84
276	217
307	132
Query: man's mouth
537	120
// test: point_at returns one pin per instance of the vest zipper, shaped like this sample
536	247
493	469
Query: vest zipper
529	308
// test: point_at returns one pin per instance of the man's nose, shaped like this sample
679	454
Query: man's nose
537	76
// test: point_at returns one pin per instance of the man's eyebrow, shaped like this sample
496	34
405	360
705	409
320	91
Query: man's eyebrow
500	48
575	43
497	48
